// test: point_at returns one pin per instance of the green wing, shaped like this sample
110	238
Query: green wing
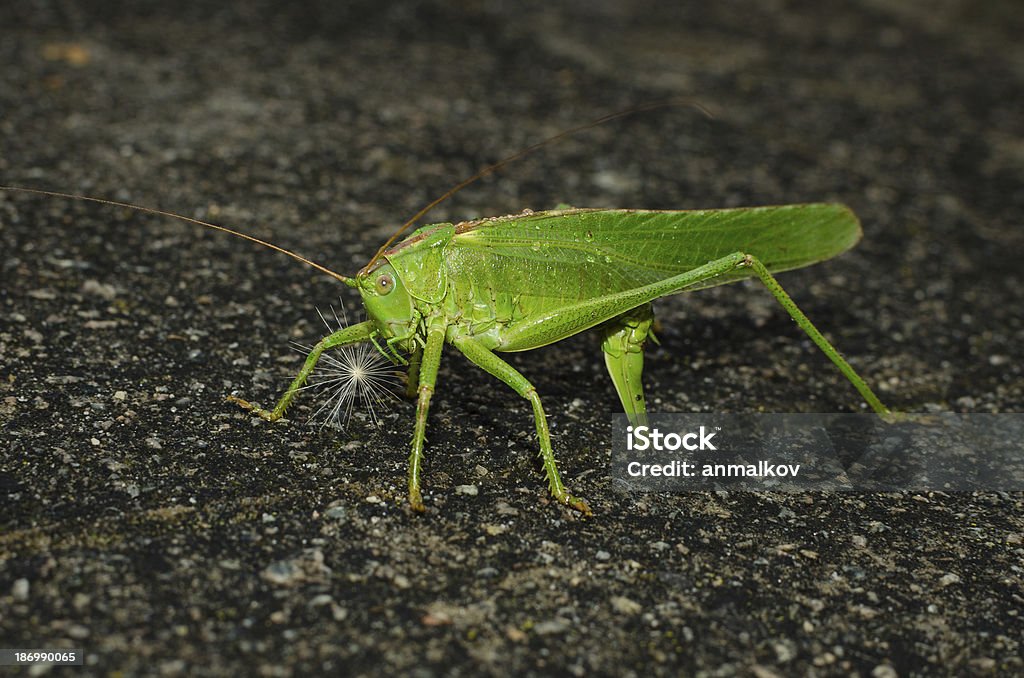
580	254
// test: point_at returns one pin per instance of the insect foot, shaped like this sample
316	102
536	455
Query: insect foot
416	501
260	412
576	503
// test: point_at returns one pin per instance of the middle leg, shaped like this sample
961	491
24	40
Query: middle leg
484	358
623	347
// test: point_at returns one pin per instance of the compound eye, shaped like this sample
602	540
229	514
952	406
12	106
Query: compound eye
385	283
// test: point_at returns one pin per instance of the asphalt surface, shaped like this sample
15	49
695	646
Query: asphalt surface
164	531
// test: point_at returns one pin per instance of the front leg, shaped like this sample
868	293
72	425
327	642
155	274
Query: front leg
429	363
488	361
348	335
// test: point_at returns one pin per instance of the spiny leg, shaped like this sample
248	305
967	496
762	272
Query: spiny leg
828	349
349	335
623	347
412	377
481	356
633	298
735	260
430	361
731	262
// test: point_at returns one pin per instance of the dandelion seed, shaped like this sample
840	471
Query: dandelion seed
352	377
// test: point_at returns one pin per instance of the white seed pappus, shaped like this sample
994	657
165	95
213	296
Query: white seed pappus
351	379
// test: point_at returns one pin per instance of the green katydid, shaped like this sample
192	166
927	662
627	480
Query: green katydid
518	282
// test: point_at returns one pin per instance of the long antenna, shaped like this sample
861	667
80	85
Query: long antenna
351	282
529	149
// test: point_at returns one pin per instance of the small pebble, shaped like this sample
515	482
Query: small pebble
625	606
504	509
77	631
784	652
548	628
20	590
322	599
336	513
98	289
305	567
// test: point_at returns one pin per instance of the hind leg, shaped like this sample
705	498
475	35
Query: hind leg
623	346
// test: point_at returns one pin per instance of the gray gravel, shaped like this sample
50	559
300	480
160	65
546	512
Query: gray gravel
161	529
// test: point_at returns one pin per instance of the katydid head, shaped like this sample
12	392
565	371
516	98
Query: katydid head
387	302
